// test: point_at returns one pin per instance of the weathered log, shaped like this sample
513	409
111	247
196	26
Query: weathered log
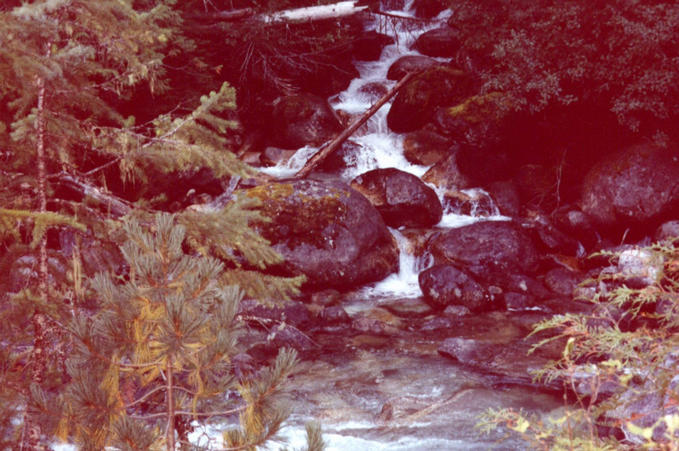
333	145
107	202
340	9
306	14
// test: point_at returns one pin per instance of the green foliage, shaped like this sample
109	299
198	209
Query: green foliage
170	329
618	54
618	361
10	219
201	139
165	313
81	50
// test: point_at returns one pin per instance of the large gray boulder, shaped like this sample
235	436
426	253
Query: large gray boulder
492	251
638	186
326	231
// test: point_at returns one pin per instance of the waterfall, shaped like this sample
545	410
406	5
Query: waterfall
379	147
404	283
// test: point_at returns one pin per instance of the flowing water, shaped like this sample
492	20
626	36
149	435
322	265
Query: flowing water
393	391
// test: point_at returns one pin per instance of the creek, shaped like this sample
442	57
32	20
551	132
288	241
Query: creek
390	389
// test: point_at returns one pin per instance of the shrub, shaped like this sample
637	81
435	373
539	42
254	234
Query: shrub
619	362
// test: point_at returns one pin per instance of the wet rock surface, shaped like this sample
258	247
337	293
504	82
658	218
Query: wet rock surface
401	198
301	120
440	42
425	147
633	187
416	103
328	232
409	63
444	285
496	248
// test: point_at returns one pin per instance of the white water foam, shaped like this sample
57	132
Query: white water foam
404	283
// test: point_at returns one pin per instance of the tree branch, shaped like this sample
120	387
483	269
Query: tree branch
323	153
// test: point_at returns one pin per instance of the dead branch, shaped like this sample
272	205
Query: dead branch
105	201
329	148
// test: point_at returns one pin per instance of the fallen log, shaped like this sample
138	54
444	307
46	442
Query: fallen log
107	203
306	14
329	148
309	13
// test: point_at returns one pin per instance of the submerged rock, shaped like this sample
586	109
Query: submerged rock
401	198
444	285
326	231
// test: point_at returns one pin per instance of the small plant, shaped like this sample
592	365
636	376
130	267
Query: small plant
619	362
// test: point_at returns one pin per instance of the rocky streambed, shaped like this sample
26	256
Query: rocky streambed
430	254
434	238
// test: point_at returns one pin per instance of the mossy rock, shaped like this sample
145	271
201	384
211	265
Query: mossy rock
417	102
326	231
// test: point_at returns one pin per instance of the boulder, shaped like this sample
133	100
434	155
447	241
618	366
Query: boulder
339	159
667	231
416	103
425	147
562	281
326	231
442	42
428	9
636	187
409	63
401	198
446	173
577	224
302	119
444	285
368	46
491	250
506	197
551	238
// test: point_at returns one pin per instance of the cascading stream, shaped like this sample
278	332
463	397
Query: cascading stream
379	147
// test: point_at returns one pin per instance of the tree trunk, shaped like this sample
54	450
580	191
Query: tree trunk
32	432
170	406
322	154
